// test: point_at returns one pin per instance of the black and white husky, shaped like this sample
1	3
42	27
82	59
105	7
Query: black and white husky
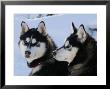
37	48
35	45
80	51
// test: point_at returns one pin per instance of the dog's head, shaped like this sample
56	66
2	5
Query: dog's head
72	44
33	42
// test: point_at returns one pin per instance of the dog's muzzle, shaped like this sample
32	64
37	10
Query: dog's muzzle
27	54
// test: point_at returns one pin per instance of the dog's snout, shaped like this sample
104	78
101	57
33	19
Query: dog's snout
27	52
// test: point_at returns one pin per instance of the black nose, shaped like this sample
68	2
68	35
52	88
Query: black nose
27	52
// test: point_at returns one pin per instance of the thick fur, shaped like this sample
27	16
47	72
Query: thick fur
78	56
53	68
80	51
36	46
85	62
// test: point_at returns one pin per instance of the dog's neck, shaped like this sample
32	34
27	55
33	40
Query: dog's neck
37	66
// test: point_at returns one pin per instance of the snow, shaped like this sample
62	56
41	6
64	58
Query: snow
59	27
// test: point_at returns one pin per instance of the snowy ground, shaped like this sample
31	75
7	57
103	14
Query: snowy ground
58	27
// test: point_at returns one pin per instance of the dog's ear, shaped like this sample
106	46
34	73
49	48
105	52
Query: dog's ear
74	29
24	27
41	28
82	35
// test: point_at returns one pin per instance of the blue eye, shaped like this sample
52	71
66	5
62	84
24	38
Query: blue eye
25	42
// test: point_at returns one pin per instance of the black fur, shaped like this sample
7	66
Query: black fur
53	68
50	66
87	56
40	38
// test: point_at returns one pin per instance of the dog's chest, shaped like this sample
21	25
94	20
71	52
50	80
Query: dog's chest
36	69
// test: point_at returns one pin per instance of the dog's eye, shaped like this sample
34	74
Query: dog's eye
68	46
38	44
25	43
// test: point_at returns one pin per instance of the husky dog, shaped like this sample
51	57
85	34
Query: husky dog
37	48
35	45
80	51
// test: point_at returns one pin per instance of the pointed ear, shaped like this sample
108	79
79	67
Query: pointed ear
74	28
82	35
41	28
24	27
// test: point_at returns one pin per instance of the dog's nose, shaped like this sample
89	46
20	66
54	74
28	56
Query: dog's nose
27	53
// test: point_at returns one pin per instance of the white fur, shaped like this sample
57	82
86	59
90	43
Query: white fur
35	69
24	27
33	41
42	29
36	52
81	34
22	48
66	55
27	39
66	43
